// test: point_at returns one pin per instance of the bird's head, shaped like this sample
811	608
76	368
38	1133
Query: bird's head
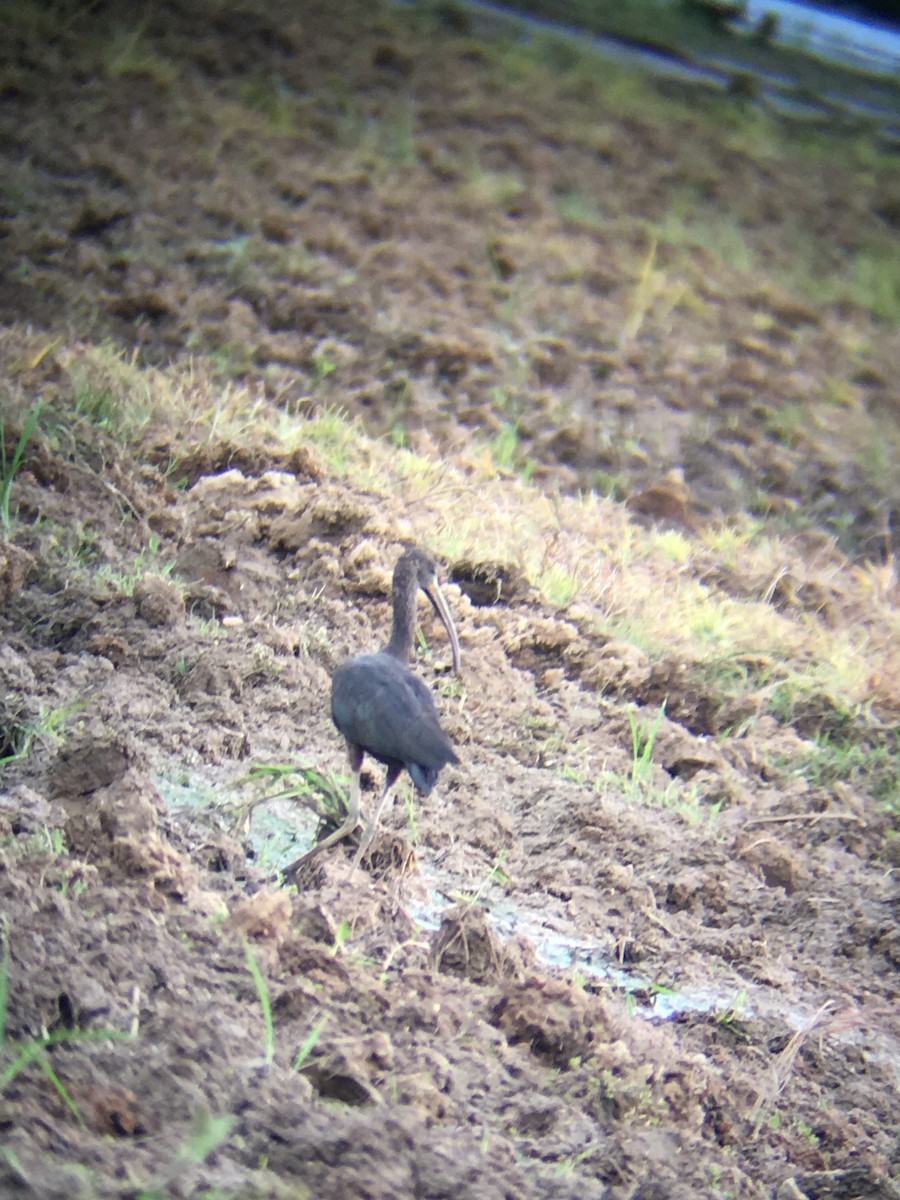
417	569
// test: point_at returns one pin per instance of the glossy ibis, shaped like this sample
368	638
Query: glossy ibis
384	710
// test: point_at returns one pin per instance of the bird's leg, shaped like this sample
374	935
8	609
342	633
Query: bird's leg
369	832
349	823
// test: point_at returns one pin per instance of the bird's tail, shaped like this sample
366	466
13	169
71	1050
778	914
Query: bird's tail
423	777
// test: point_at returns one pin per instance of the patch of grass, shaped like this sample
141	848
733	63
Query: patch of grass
451	687
728	542
713	622
869	277
505	446
235	254
398	140
302	265
639	787
43	841
341	936
273	835
334	435
876	281
323	364
506	452
380	141
643	736
691	225
657	293
125	579
826	695
77	542
873	770
579	209
788	423
558	584
421	475
11	461
878	453
634	1099
610	487
130	53
491	189
495	875
21	729
268	93
229	360
818	697
731	1012
97	407
686	802
109	391
266	666
674	545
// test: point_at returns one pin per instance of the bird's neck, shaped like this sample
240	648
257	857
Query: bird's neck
400	645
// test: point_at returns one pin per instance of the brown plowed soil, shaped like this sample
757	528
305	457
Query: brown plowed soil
572	971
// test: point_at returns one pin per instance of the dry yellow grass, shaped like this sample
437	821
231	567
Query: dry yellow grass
584	553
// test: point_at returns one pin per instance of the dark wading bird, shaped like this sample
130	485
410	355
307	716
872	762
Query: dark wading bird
384	710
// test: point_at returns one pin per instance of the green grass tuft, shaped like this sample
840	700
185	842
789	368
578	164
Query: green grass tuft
265	1002
11	461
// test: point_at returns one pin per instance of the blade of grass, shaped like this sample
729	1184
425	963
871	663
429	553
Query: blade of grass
310	1042
265	1003
9	467
4	982
207	1136
34	1049
70	1104
642	740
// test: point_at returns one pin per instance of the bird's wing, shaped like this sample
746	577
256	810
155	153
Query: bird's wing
381	706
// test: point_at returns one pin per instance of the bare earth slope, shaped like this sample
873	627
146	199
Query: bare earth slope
642	942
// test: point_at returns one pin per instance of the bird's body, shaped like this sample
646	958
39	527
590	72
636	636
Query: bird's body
384	710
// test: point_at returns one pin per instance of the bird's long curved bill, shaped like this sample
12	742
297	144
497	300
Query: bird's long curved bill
442	608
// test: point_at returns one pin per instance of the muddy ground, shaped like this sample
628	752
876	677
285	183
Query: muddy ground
562	976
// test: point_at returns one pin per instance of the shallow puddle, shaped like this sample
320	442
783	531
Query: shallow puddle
279	830
276	830
733	1000
580	957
